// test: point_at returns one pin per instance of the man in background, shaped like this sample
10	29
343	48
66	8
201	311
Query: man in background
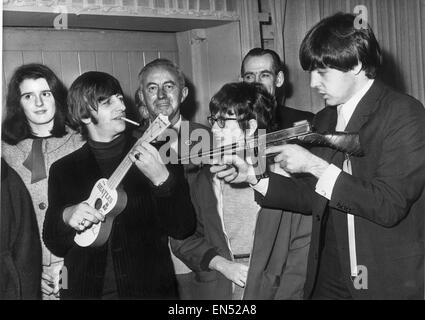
264	66
162	90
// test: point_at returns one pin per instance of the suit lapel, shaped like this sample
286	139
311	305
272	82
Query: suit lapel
366	107
327	122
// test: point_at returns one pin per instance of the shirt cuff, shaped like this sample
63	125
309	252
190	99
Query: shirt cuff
261	186
165	189
208	256
325	185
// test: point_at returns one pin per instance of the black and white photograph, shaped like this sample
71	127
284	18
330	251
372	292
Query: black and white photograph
212	156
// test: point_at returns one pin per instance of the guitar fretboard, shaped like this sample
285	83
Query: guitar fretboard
120	172
156	128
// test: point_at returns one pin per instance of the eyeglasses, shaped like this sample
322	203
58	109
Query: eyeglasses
221	121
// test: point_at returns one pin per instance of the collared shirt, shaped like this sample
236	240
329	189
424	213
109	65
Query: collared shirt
326	183
174	143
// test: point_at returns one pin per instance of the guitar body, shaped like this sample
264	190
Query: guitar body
110	203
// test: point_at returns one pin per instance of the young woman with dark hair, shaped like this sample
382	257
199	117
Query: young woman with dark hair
35	134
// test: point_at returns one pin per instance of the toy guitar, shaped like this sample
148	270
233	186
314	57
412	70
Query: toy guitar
108	197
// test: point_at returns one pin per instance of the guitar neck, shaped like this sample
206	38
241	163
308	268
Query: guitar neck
156	128
120	172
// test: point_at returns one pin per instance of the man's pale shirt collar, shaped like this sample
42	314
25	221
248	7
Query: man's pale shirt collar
178	124
176	127
347	109
326	183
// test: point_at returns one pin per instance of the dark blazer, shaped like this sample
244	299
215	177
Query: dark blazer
208	241
285	116
385	193
20	247
279	256
197	250
139	238
282	241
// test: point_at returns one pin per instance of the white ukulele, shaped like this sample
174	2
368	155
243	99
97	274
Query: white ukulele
106	195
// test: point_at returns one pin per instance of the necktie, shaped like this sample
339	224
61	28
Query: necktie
341	123
346	167
35	161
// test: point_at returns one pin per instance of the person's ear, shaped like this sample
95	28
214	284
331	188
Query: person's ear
144	112
140	95
357	69
185	92
86	121
253	125
280	79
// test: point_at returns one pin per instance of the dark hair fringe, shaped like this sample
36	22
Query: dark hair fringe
86	92
335	43
248	101
259	52
15	126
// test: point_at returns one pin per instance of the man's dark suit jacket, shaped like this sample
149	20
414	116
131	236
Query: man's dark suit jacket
385	194
139	237
282	241
285	116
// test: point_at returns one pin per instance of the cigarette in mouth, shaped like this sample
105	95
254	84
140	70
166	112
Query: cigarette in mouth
130	121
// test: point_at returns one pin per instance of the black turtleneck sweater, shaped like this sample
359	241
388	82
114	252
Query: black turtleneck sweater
108	156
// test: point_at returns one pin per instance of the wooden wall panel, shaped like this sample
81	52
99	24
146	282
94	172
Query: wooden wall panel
70	66
53	60
135	64
11	60
150	56
104	61
32	56
87	61
72	52
121	70
210	58
170	55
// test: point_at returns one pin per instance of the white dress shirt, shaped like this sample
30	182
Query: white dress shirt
326	183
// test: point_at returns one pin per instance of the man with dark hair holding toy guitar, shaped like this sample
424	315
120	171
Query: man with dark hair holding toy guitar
134	262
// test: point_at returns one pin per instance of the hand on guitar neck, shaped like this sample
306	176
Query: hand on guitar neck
149	162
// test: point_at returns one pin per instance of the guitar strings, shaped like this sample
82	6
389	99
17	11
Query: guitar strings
126	163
